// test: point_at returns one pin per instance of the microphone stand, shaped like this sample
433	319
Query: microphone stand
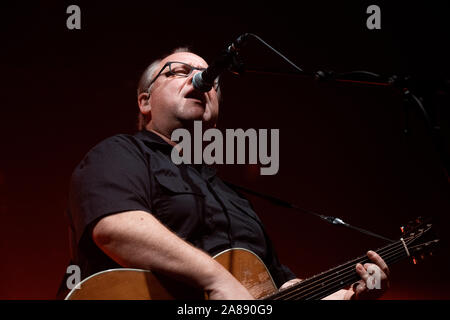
405	84
236	66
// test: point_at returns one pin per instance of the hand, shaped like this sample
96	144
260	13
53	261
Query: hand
374	278
289	283
229	289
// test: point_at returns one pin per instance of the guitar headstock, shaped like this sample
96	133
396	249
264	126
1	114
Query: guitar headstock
420	237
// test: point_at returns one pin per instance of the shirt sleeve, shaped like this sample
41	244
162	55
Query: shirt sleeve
113	177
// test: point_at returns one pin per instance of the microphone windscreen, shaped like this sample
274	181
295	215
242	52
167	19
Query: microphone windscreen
199	83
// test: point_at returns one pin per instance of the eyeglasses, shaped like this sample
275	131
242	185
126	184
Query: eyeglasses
180	69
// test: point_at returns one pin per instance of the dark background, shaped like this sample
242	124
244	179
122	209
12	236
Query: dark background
343	152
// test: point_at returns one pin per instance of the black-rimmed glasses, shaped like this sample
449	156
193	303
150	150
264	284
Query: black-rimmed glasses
180	69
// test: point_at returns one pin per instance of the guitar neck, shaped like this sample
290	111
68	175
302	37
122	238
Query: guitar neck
328	282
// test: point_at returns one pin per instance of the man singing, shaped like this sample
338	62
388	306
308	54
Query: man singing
131	206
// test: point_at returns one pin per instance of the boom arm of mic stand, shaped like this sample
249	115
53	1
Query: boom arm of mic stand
373	79
329	76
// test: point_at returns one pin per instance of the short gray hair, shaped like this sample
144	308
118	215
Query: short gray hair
146	78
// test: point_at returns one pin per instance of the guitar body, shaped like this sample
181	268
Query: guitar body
247	267
137	284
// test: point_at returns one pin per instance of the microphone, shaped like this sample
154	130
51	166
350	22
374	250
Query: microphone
204	81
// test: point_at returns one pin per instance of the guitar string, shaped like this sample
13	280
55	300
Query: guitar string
336	286
342	270
319	278
349	278
323	285
324	291
346	278
387	259
302	288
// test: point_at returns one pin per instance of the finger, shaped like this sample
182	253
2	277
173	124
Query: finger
362	272
356	285
375	257
289	283
360	288
372	267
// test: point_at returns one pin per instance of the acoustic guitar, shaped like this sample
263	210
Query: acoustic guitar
248	268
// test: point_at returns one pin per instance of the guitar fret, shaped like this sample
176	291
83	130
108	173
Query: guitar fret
336	278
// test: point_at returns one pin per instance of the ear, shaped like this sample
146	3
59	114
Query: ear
144	103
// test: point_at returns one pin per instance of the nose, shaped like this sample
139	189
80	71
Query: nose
190	76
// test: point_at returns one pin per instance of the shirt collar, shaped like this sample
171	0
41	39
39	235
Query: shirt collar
153	139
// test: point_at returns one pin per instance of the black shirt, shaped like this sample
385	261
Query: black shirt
125	173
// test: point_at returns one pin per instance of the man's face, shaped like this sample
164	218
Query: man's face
174	101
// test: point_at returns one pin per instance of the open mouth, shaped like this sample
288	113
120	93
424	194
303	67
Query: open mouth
196	95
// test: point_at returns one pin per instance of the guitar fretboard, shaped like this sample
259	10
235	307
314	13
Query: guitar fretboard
328	282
